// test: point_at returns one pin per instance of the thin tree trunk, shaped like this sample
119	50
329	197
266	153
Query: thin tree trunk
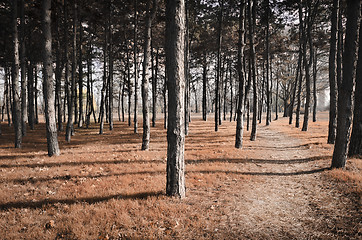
80	80
110	74
165	101
48	87
252	23
58	75
315	86
135	53
15	79
122	98
36	94
241	75
345	92
8	95
175	33
146	75
104	87
231	89
218	67
154	87
31	117
332	75
23	70
267	53
204	88
129	87
186	68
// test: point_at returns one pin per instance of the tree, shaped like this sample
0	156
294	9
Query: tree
175	37
345	90
218	67
332	75
252	23
146	74
48	87
241	75
15	78
355	147
135	53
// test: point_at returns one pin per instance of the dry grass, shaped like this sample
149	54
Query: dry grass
104	187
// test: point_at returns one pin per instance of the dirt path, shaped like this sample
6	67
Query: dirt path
290	198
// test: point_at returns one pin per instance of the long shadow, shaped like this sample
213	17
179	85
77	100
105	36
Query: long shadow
259	161
90	200
264	173
190	161
75	177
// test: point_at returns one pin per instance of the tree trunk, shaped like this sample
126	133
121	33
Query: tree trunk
8	95
104	86
110	74
15	79
36	95
48	87
175	33
345	101
218	67
332	74
58	76
241	75
252	23
186	68
135	53
80	80
23	70
301	29
355	147
267	53
165	101
146	75
154	87
129	87
231	88
31	117
204	87
315	86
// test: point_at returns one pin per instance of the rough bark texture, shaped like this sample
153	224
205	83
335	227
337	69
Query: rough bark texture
218	68
110	74
241	75
15	79
204	87
135	53
129	87
267	53
315	86
48	87
175	33
332	75
146	75
355	147
31	117
345	101
252	23
80	79
23	70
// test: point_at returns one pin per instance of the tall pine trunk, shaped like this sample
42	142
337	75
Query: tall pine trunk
80	79
15	79
218	67
332	126
146	75
175	34
48	87
252	23
135	53
204	87
355	147
241	75
345	91
23	69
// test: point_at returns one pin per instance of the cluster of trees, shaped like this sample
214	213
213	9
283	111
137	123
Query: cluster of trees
235	57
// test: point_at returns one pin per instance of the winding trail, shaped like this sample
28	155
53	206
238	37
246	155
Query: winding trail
290	198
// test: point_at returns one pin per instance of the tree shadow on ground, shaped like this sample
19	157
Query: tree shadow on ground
90	200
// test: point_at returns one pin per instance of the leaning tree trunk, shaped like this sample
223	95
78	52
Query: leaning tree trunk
345	91
48	87
146	75
241	75
332	75
355	147
252	23
175	34
15	77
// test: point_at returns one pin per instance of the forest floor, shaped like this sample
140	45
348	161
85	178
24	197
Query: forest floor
105	187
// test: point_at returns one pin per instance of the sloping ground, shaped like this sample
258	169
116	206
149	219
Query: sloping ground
104	187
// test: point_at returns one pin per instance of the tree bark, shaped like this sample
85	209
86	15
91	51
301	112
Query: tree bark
80	79
355	147
315	61
241	75
135	53
267	53
204	87
175	34
31	117
218	67
345	101
110	74
15	79
146	75
252	23
48	87
23	70
332	74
